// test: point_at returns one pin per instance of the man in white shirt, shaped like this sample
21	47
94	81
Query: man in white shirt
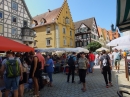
116	57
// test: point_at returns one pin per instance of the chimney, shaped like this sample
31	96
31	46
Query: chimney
49	10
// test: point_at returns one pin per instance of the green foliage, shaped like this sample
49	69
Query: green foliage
93	46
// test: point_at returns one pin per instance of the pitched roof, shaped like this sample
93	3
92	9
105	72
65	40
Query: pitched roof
48	16
87	22
26	9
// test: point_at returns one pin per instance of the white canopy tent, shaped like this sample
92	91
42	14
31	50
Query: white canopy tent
63	49
124	47
124	40
102	48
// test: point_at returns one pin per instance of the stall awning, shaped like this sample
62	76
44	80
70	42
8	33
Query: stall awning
8	44
123	15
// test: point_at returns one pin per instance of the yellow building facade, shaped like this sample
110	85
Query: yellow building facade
55	29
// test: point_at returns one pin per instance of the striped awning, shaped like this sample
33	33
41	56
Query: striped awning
123	15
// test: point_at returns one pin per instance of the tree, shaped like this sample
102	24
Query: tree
93	46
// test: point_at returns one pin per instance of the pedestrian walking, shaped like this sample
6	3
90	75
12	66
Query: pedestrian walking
105	66
91	61
42	60
112	60
71	63
83	62
97	59
11	71
117	58
49	69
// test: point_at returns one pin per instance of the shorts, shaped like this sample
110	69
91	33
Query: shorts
117	62
91	64
24	79
11	83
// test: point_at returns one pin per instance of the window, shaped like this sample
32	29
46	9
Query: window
71	43
81	44
67	21
84	36
77	31
48	42
70	33
1	28
42	22
14	5
64	31
1	14
77	44
14	19
64	41
14	31
48	30
25	23
85	43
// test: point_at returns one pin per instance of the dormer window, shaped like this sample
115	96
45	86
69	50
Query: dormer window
43	21
35	22
67	21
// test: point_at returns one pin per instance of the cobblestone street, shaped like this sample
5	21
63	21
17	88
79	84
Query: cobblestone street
95	87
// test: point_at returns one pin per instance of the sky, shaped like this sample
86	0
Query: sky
104	11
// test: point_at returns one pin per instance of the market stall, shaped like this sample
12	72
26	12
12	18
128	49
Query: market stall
102	48
77	50
8	44
123	15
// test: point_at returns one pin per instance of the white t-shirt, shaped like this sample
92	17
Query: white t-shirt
116	55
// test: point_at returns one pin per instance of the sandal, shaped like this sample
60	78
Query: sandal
84	90
107	86
111	84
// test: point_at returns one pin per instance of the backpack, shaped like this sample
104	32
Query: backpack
13	68
105	61
71	61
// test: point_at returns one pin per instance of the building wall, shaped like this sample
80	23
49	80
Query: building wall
69	27
113	35
6	21
42	36
57	36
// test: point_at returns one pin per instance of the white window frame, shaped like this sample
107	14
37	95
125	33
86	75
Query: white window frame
67	20
47	42
13	33
2	15
16	5
16	19
64	41
2	28
48	30
71	42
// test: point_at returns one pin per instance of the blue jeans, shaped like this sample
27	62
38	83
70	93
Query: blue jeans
50	76
11	83
91	65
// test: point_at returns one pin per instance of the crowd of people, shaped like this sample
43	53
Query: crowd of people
17	68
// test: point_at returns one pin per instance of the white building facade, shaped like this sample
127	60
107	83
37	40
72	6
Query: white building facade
14	15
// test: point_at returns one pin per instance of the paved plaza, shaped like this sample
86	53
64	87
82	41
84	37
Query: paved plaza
95	87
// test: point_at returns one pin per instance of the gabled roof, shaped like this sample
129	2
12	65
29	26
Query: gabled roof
87	22
49	16
26	9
